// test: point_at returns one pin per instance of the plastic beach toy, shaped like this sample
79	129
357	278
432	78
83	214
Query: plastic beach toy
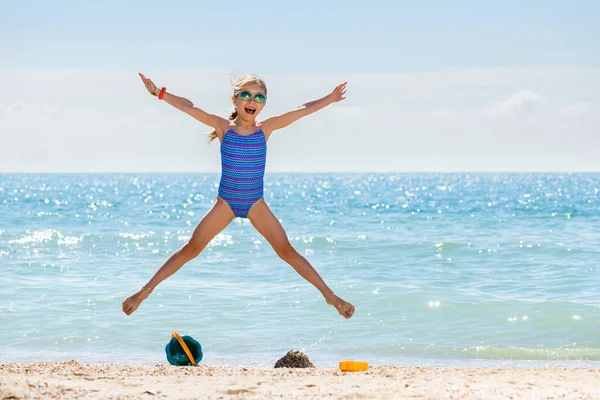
353	366
183	350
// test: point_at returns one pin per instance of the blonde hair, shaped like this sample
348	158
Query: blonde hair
238	84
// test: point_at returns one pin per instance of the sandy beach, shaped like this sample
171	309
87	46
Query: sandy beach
70	380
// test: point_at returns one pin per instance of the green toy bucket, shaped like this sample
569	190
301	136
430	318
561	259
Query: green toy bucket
183	350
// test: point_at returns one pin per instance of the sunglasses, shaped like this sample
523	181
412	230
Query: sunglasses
247	96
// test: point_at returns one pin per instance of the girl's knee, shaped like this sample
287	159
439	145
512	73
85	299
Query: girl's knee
286	251
193	247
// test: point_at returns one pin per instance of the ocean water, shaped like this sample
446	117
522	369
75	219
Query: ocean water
444	269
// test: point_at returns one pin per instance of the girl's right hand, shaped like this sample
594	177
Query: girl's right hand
150	86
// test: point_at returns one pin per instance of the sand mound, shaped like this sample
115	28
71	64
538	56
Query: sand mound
294	359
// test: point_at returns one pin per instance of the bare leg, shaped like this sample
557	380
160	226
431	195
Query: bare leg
268	225
217	219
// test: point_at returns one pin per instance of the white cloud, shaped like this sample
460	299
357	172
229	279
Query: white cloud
580	108
522	102
430	121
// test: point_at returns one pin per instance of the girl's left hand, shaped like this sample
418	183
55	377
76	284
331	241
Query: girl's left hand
339	93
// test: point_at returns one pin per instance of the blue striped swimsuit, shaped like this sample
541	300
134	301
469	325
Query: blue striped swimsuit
243	159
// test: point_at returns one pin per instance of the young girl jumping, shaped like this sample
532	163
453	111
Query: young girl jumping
243	155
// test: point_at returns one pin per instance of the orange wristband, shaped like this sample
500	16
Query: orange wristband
162	93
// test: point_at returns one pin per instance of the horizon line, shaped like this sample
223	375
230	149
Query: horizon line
309	172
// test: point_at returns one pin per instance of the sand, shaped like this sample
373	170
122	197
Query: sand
72	380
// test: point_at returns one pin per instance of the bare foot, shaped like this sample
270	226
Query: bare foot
131	303
345	309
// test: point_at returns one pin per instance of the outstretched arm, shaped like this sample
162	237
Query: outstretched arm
283	120
186	106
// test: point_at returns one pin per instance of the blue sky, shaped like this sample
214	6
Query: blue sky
295	37
424	77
